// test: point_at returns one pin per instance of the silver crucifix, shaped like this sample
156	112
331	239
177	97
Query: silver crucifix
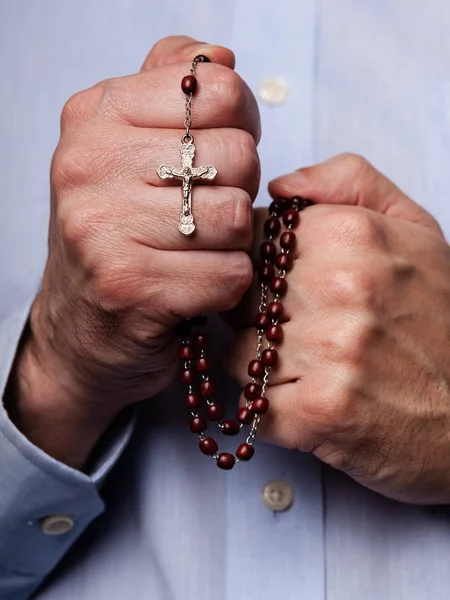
187	173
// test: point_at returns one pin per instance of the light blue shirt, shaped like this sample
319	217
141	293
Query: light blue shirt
367	77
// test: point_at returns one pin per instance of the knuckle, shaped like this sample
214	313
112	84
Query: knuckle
236	277
349	344
231	87
354	164
71	166
351	286
241	218
76	225
81	106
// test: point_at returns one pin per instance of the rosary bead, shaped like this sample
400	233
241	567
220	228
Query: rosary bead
287	240
290	217
230	427
201	340
255	369
269	358
245	452
277	207
225	461
274	334
186	352
208	446
215	412
192	401
199	321
262	321
284	261
198	424
202	364
207	389
266	273
189	84
272	227
183	329
201	58
268	251
278	286
245	415
275	310
299	203
187	376
252	391
260	405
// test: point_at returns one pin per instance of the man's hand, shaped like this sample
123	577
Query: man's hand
364	374
119	274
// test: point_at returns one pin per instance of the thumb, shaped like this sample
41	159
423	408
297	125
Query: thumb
350	179
181	48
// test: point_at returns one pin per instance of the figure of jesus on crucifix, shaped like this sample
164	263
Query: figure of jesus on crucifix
187	173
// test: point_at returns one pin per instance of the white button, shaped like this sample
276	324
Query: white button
57	524
277	495
273	90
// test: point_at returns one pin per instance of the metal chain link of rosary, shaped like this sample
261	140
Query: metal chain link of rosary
194	341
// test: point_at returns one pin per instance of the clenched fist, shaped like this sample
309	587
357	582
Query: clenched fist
364	374
119	274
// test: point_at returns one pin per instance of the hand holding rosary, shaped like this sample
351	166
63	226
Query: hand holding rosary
193	350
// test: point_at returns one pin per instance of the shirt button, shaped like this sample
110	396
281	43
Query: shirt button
277	495
57	524
273	91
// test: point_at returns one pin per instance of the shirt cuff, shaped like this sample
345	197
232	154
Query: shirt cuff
35	486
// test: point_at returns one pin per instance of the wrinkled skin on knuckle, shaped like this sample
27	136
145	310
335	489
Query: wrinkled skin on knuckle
237	217
351	286
82	107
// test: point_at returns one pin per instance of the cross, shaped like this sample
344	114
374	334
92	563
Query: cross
187	173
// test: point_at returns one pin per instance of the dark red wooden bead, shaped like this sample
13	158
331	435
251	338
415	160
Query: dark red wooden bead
277	207
187	376
299	203
278	286
198	424
255	369
201	58
252	391
245	415
287	203
207	389
284	261
290	217
269	358
245	452
225	461
287	240
275	310
201	340
266	273
192	401
272	227
268	250
208	446
230	427
274	334
260	405
186	352
189	84
202	364
262	321
215	412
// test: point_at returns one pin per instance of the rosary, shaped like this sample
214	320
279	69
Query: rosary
193	350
